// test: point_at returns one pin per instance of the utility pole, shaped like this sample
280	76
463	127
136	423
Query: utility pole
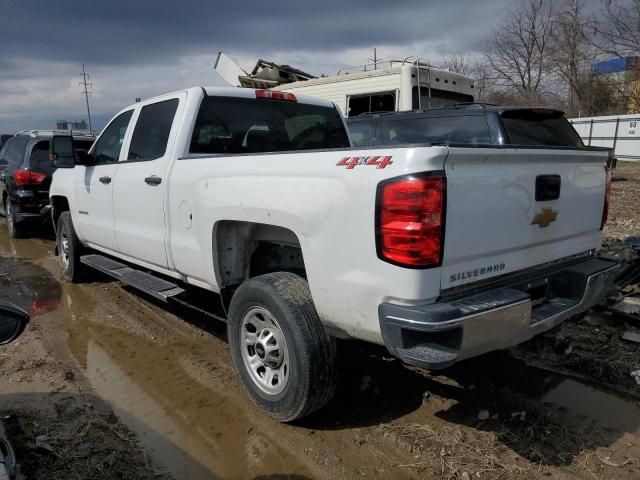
86	86
374	60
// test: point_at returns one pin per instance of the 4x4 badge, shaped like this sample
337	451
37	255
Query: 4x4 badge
353	162
545	218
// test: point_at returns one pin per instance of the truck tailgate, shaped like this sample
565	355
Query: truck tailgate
503	215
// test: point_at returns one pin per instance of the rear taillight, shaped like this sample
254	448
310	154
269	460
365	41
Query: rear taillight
410	221
24	178
607	198
274	95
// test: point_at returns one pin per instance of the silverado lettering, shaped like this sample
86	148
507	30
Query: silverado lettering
478	272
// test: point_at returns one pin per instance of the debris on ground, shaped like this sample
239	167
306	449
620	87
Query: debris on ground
89	444
483	415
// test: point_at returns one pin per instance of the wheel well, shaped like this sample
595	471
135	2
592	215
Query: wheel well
59	204
243	250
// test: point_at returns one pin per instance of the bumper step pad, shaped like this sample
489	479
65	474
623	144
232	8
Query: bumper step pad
145	282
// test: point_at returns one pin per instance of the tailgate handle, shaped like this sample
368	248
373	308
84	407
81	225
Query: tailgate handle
547	187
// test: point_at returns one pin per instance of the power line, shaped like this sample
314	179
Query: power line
86	86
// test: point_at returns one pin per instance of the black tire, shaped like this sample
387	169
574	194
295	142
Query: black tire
72	269
14	229
311	351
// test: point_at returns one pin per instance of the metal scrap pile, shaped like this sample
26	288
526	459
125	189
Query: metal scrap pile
624	297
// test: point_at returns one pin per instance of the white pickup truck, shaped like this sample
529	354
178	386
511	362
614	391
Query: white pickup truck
439	252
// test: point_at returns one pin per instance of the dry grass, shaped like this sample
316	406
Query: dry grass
452	451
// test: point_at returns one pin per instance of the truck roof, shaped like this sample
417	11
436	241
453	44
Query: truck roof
462	109
230	92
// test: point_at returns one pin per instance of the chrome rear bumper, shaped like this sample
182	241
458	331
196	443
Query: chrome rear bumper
441	334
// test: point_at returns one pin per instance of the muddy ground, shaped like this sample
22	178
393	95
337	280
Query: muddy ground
115	385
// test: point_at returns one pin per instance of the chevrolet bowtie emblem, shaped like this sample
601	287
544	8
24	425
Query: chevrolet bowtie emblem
545	217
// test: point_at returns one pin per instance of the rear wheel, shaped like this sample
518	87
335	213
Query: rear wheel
69	249
14	229
280	349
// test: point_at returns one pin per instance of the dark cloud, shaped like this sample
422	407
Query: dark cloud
138	48
125	31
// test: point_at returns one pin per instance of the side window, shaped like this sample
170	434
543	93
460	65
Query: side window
373	102
152	130
3	157
15	152
107	148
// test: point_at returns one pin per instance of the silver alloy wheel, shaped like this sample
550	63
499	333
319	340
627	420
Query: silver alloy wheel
64	247
264	350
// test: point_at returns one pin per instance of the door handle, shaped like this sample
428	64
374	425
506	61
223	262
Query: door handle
106	179
153	180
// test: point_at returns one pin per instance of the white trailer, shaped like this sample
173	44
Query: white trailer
619	132
388	89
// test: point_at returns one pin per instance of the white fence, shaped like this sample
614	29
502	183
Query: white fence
622	133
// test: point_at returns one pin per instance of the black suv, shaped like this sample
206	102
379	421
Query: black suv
25	176
465	124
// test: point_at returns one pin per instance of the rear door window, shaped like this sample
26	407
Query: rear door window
461	129
540	128
246	125
151	134
39	158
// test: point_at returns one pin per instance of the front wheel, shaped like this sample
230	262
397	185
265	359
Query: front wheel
280	349
69	249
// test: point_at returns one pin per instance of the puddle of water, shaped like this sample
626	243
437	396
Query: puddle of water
23	247
191	430
576	396
609	409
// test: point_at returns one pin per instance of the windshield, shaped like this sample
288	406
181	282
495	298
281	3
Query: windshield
246	125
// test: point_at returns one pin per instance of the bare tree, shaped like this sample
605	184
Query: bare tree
573	56
517	53
461	64
618	30
617	33
476	69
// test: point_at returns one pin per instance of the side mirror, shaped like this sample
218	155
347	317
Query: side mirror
61	151
13	321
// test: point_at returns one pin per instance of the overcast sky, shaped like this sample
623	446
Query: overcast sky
141	48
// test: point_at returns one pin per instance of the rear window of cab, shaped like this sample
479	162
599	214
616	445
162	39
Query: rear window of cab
245	125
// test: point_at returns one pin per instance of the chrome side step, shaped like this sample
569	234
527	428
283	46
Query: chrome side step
146	282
